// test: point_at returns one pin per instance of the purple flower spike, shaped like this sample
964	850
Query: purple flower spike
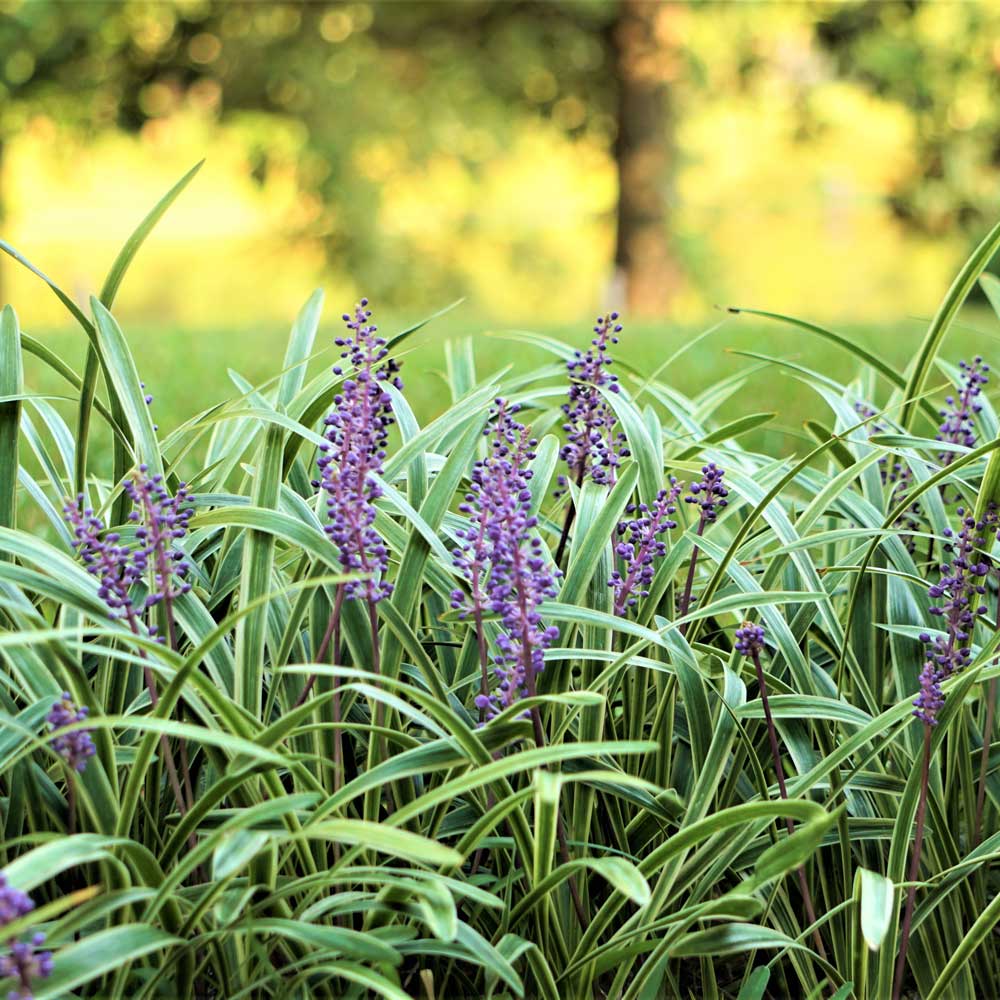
960	592
76	747
353	455
593	447
23	962
105	557
163	522
710	496
496	547
708	493
642	546
958	425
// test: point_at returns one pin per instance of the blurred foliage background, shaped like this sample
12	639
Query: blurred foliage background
542	159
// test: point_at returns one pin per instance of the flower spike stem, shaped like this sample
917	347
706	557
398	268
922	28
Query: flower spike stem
70	802
484	664
581	913
749	640
331	641
708	494
780	772
332	634
377	670
918	843
984	760
689	582
568	523
154	699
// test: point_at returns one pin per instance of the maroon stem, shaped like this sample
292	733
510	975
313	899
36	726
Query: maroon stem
168	611
154	698
536	721
570	515
918	843
377	669
164	570
70	803
484	687
376	651
186	772
476	571
581	913
689	583
984	760
332	629
779	770
484	661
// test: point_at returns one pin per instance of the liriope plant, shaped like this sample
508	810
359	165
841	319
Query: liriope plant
567	692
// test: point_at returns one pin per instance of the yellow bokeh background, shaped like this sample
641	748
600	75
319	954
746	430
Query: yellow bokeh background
767	217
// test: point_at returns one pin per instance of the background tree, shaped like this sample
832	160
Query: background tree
944	67
344	94
353	75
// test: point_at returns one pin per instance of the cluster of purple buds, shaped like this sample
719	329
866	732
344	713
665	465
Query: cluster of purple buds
640	545
593	447
749	639
473	554
23	962
105	556
497	548
356	433
708	493
961	586
958	425
75	747
163	522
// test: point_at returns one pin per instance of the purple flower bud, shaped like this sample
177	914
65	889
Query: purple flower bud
75	747
749	639
708	493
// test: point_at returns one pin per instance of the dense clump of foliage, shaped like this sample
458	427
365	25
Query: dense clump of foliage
567	693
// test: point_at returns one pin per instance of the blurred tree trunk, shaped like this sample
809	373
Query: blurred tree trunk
646	57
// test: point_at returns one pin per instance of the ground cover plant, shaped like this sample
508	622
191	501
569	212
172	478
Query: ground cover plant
566	692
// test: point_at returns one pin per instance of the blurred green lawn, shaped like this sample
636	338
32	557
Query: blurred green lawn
186	370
